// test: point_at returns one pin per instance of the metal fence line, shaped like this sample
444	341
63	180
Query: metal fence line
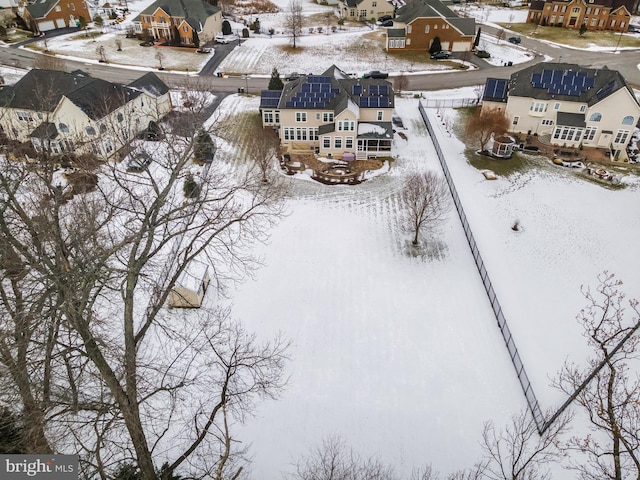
450	102
518	365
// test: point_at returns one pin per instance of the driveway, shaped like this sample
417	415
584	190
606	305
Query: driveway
221	52
50	34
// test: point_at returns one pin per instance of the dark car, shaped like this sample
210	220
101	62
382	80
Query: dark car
150	43
483	54
515	40
376	74
204	50
387	23
384	18
139	162
634	28
441	55
292	76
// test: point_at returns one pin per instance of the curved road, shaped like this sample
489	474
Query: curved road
626	62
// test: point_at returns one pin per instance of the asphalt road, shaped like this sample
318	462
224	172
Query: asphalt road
625	62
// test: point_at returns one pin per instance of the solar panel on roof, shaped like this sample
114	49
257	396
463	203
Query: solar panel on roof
357	89
383	89
373	89
373	102
271	93
384	102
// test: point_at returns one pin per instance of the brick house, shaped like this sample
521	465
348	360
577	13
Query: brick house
332	114
568	105
195	21
364	9
419	22
612	15
45	15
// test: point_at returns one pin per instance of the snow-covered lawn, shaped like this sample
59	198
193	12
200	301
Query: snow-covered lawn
401	356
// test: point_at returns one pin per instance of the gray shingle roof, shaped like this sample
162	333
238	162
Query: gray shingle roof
41	8
605	82
195	12
42	91
396	33
571	119
435	9
150	84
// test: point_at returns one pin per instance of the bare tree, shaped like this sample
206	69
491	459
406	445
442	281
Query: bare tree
606	389
484	123
160	58
101	54
97	364
426	202
401	82
518	452
500	35
118	42
262	147
294	21
426	472
334	460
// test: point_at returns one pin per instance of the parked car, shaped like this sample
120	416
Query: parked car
387	23
376	74
483	54
139	162
633	28
384	18
224	38
204	50
150	43
292	76
441	55
515	40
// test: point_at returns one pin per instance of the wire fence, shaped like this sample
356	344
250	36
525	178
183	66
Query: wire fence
527	388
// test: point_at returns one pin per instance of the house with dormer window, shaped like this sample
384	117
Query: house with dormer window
73	112
568	105
193	21
419	22
614	15
369	10
332	114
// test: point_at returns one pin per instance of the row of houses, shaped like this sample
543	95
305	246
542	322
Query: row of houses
191	21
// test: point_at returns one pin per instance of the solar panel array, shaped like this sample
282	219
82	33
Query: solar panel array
270	98
316	92
563	82
356	89
496	88
375	102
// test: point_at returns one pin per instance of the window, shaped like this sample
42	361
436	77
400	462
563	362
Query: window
628	120
301	116
374	4
58	8
553	19
313	134
90	130
120	117
337	142
289	132
277	118
588	10
363	13
621	136
556	106
73	7
327	117
426	29
326	142
268	117
613	23
547	121
301	134
576	10
538	107
564	8
185	29
595	117
590	133
561	18
24	116
515	121
348	143
435	27
583	108
402	41
103	128
398	43
380	115
594	21
596	11
408	28
555	8
63	127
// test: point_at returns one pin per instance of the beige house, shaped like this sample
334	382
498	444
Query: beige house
419	22
189	290
364	9
568	105
333	115
194	21
612	15
74	112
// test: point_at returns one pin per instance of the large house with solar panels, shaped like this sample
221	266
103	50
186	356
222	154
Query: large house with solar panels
568	105
612	15
333	115
419	22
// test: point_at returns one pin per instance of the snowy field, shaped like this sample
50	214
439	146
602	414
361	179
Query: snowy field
402	356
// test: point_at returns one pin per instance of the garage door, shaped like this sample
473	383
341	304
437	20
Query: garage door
46	26
60	23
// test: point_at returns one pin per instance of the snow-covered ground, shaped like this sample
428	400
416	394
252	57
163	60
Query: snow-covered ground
401	356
